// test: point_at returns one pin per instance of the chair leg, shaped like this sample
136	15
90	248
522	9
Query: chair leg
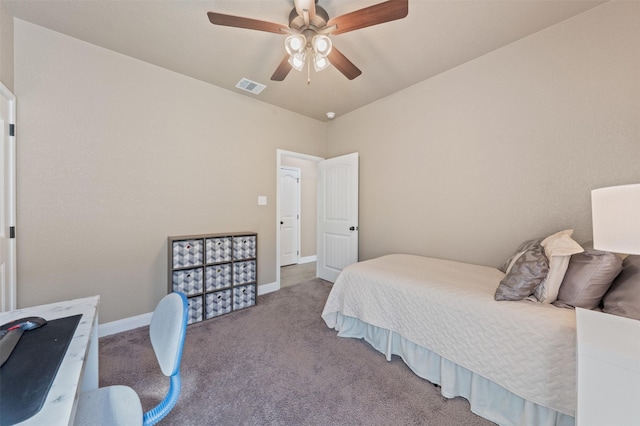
160	411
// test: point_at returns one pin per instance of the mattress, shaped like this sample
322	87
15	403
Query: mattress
448	307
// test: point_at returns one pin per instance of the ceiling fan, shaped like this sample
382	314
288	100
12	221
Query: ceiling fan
308	30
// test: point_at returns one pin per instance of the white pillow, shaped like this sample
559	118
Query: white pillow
561	244
558	248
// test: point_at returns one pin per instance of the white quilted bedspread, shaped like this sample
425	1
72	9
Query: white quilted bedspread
448	307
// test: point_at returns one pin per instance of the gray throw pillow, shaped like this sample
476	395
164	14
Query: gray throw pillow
623	298
522	248
525	271
588	277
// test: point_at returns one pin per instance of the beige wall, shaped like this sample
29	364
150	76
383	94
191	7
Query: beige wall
308	202
468	164
6	47
114	155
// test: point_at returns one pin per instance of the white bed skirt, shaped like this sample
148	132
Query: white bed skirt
487	399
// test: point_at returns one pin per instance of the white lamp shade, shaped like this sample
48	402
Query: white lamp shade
616	219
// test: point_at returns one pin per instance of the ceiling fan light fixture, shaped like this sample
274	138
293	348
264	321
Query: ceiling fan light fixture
320	62
321	44
297	60
295	43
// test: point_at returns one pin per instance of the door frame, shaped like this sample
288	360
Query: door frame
279	154
8	300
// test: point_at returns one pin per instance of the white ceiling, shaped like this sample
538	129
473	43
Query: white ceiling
437	35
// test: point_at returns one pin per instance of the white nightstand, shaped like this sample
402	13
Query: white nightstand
608	363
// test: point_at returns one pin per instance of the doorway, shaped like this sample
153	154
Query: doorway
306	242
8	190
334	218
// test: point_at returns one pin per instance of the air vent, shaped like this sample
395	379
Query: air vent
250	86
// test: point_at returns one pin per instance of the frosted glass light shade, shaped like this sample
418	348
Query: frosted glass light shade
297	60
616	219
320	62
321	45
295	43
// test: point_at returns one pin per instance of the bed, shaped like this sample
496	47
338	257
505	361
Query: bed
514	361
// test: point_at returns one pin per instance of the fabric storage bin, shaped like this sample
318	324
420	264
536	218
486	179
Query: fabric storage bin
218	303
188	281
244	272
218	276
218	249
195	309
244	247
188	253
244	296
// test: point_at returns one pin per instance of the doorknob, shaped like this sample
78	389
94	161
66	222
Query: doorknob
353	228
281	223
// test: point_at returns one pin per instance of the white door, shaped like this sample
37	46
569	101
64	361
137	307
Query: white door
289	215
337	215
8	210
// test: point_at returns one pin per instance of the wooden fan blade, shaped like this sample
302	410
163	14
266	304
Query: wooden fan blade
248	23
282	70
373	15
342	64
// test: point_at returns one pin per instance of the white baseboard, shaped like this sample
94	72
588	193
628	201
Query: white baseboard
124	324
268	288
307	259
144	320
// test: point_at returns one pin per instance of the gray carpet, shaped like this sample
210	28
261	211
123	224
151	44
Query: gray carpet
277	363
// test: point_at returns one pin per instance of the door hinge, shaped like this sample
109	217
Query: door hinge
12	232
12	129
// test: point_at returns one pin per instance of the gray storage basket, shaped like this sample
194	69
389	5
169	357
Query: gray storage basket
187	281
244	272
244	247
218	249
218	276
195	309
218	303
244	296
187	253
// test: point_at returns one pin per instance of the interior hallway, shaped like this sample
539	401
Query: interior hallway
296	274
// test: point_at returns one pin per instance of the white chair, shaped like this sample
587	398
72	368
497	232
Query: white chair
120	405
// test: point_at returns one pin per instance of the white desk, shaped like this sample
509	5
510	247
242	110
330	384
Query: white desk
79	368
608	379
